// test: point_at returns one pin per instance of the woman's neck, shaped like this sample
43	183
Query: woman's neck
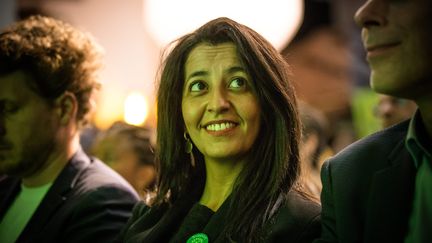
220	179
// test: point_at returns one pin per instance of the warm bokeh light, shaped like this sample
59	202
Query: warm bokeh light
135	109
276	20
109	106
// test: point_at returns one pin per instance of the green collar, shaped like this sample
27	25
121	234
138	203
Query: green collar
417	140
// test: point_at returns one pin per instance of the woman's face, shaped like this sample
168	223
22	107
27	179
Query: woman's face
220	110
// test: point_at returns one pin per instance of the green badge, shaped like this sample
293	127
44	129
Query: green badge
198	238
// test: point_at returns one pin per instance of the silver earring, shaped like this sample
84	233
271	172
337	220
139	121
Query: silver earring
188	143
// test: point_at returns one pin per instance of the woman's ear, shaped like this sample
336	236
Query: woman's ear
67	108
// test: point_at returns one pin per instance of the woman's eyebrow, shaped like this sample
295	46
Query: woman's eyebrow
236	69
196	74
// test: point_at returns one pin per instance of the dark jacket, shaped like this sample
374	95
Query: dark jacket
88	202
296	221
368	190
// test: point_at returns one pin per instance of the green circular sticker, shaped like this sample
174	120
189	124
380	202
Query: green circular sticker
198	238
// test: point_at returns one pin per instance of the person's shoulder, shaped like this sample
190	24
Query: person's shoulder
300	208
94	179
378	144
298	219
355	164
144	218
98	174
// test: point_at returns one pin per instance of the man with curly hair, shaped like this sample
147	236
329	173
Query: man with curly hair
50	190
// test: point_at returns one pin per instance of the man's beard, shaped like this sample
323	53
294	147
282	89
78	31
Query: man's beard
32	160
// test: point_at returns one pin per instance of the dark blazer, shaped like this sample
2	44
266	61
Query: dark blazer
296	221
368	190
88	202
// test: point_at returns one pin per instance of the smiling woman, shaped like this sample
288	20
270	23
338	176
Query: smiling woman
220	110
227	145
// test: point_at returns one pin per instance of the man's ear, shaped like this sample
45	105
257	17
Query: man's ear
67	107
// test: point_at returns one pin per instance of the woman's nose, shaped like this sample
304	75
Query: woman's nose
218	101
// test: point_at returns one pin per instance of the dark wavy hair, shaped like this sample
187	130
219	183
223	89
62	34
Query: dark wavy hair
57	57
273	166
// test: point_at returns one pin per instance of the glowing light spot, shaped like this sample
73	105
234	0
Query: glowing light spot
276	20
135	109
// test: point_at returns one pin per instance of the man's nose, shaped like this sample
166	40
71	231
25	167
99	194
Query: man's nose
371	13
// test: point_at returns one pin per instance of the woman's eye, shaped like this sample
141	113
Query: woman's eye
237	83
198	86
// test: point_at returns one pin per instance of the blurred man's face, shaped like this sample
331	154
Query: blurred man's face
398	39
391	110
27	127
119	152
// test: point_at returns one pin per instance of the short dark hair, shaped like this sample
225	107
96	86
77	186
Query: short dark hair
274	159
57	57
138	137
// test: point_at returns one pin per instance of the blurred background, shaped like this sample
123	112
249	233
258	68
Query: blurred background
317	37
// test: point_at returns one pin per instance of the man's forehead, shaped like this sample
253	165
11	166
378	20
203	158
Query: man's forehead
14	85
